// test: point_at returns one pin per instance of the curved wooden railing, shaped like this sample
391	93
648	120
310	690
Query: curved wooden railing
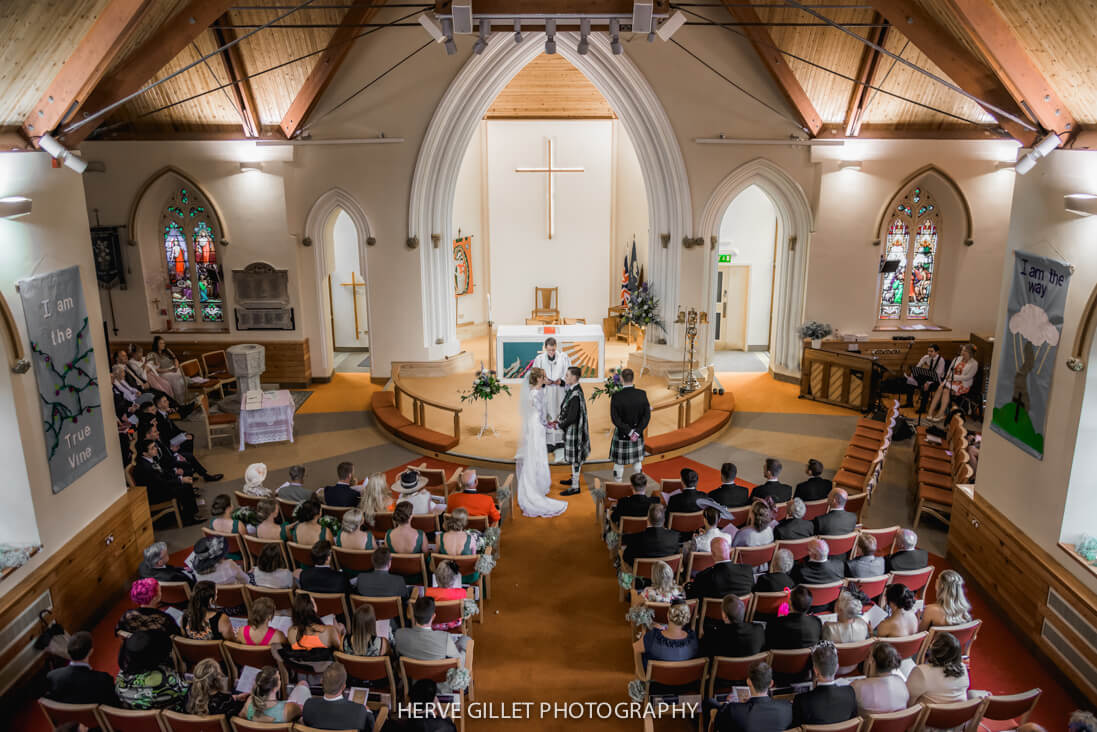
684	403
420	403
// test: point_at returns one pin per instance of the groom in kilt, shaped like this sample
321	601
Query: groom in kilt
573	423
630	412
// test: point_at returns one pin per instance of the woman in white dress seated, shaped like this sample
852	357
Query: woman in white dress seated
943	678
958	380
884	690
531	462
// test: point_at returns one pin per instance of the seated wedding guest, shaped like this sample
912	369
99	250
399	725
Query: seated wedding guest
221	520
654	541
1081	721
867	564
849	627
771	487
685	501
456	540
703	541
155	564
952	607
884	690
907	557
837	520
957	383
308	630
724	577
162	486
172	459
447	586
78	682
729	493
212	564
145	593
209	692
164	364
676	642
403	538
351	535
636	504
411	488
294	489
258	632
757	531
760	713
332	711
816	487
125	396
734	637
901	620
321	577
795	526
778	578
178	439
270	520
819	568
425	715
375	497
263	704
307	530
344	492
798	629
421	642
146	675
254	476
943	677
270	569
477	504
379	582
663	588
201	621
827	703
363	640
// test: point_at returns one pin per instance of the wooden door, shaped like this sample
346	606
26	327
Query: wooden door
732	306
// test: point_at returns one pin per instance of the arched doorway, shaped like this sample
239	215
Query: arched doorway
430	210
339	232
793	233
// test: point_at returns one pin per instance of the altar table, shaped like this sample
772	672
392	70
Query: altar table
272	421
517	345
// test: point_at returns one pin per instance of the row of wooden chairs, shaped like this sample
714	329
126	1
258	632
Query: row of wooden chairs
860	469
938	468
214	368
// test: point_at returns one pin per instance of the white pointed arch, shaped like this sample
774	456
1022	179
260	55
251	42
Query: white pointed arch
455	120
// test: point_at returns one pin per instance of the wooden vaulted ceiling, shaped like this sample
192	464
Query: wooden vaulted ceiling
1032	59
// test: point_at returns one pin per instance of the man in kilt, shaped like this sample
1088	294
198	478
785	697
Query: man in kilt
630	412
576	429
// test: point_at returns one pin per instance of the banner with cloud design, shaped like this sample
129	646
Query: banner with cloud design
1026	363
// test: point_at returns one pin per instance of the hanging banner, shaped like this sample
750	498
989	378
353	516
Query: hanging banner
1034	323
462	266
107	251
64	366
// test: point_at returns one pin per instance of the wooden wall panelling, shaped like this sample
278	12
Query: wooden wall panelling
897	355
288	362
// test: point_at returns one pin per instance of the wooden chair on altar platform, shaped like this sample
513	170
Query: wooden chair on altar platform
546	305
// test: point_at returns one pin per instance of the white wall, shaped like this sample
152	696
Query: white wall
468	205
53	236
577	258
630	207
748	227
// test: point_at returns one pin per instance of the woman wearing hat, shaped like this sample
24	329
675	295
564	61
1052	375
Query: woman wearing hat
410	488
146	679
253	481
145	593
211	563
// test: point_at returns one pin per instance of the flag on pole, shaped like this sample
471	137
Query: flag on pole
626	289
636	277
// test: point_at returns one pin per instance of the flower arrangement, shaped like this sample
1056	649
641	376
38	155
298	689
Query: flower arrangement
613	540
643	308
637	690
485	564
625	579
815	330
485	387
331	523
469	608
246	515
640	616
610	386
457	680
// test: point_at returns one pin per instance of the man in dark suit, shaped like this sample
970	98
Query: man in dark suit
723	577
686	500
730	493
867	564
827	703
816	487
630	413
907	557
161	486
169	432
819	569
379	582
733	638
837	520
797	629
320	577
332	711
795	526
777	579
344	492
772	488
79	683
760	713
155	565
638	503
654	541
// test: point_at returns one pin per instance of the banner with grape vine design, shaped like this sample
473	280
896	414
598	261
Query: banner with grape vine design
64	366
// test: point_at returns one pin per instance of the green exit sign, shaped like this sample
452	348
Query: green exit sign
725	259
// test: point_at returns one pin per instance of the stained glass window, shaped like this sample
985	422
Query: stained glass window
193	271
907	272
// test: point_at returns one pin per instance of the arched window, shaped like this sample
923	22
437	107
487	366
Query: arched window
907	272
190	256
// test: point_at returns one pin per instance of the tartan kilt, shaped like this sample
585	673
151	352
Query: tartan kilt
623	451
576	444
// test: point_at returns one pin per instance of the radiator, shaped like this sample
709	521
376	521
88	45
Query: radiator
12	634
1062	648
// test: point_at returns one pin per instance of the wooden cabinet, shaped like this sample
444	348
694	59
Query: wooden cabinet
843	379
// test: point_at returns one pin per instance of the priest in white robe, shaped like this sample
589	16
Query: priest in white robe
555	365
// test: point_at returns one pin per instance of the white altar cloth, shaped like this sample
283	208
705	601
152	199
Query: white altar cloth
271	421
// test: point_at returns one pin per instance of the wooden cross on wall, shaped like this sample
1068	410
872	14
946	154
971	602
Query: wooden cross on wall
551	170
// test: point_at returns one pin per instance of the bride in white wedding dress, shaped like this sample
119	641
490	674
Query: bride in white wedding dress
531	462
